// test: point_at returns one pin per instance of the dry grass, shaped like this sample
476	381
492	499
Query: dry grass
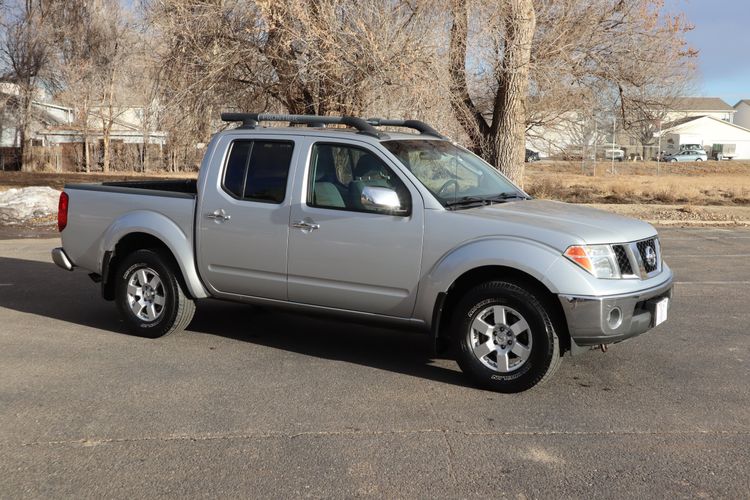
705	183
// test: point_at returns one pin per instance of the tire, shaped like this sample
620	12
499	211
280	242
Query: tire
699	159
673	160
511	372
161	307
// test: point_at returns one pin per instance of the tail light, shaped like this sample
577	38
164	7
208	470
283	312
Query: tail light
62	212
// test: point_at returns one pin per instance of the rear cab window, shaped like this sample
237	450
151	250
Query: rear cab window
258	170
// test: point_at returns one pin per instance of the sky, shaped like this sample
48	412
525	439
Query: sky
722	39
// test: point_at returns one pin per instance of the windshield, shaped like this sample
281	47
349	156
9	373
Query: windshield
453	174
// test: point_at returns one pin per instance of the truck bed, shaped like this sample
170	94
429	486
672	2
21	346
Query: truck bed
99	212
181	188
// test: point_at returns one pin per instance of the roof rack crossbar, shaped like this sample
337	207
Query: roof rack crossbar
417	125
251	120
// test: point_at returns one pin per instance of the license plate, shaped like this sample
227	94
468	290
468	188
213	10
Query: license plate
660	313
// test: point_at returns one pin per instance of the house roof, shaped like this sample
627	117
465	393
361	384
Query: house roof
682	121
700	104
742	101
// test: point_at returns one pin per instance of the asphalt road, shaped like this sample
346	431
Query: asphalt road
250	403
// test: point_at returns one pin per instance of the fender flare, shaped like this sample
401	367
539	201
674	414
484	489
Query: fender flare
528	256
166	231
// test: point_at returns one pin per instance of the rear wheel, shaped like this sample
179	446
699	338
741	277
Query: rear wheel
149	295
504	337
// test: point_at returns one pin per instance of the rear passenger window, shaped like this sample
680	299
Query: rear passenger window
258	170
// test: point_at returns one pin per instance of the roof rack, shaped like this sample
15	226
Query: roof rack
420	126
366	127
250	120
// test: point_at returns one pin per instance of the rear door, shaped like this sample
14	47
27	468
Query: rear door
343	255
243	218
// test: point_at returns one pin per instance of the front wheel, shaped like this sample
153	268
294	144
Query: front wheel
504	337
149	295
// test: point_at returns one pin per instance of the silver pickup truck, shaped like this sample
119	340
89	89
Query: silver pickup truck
406	229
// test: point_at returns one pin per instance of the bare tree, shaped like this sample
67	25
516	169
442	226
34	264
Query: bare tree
585	54
322	56
77	40
26	53
501	141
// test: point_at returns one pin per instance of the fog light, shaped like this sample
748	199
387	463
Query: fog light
615	318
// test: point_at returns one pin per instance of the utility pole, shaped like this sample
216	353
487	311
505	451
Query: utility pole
658	153
596	132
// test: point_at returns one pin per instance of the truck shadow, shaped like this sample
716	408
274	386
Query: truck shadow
43	289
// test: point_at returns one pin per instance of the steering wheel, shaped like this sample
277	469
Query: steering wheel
449	182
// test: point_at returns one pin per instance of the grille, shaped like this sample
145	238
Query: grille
622	259
646	248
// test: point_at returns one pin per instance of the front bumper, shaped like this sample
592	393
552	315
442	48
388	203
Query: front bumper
588	317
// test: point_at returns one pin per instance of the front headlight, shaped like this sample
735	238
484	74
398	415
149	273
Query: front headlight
599	260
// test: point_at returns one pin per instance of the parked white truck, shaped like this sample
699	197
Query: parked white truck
675	143
403	229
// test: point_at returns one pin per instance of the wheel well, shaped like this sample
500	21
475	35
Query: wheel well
446	304
127	245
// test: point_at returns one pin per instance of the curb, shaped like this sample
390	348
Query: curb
677	222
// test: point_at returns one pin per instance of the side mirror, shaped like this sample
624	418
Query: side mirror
381	199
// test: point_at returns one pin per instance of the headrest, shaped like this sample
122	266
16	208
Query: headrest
368	166
326	168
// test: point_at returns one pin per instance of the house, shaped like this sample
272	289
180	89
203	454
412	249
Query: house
574	136
707	131
43	114
54	125
742	113
127	128
685	107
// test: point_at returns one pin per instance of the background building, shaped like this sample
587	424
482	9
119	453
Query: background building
742	113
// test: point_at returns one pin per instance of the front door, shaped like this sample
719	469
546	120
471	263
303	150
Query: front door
344	254
243	220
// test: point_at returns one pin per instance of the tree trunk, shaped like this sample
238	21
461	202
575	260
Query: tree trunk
463	106
86	139
106	152
146	139
108	122
508	135
86	153
502	144
27	159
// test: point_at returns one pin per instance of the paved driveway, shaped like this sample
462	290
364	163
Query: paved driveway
263	404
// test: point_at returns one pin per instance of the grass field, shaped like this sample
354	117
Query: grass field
702	183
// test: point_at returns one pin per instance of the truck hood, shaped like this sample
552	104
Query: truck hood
562	224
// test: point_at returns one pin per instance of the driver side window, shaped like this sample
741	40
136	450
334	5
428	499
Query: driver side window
339	174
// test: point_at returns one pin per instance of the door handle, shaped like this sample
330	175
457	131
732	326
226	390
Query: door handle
306	225
218	216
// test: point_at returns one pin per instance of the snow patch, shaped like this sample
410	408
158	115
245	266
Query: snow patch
24	204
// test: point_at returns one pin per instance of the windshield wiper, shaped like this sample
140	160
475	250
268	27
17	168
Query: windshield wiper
507	196
474	201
